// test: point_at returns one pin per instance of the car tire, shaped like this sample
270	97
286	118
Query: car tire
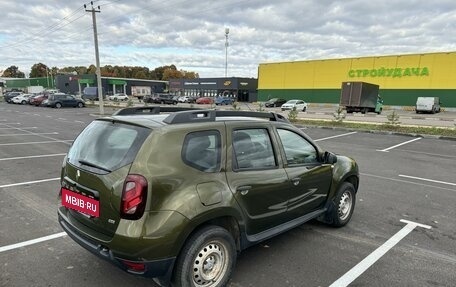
58	105
304	109
80	105
340	213
207	258
162	102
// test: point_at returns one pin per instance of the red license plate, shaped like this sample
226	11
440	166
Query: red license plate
80	203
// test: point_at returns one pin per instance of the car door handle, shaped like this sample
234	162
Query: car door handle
243	189
296	181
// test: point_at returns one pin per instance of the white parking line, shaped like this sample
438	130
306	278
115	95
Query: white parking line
32	156
426	179
405	181
398	145
342	135
81	122
30	242
29	182
29	134
26	128
362	266
22	143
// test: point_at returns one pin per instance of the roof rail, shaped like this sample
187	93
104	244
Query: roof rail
149	110
210	116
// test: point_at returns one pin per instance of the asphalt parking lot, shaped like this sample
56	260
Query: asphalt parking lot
402	178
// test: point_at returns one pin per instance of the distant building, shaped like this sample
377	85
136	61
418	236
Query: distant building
402	78
74	84
243	89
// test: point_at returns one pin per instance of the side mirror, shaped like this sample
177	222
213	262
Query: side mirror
329	158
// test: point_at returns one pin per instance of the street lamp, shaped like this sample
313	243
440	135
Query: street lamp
227	31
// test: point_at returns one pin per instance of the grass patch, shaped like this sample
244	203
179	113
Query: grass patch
418	130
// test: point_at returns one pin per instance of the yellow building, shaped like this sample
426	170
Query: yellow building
402	78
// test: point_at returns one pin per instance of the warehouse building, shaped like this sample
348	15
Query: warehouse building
402	78
242	89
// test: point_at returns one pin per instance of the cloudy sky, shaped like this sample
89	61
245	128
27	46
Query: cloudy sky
191	34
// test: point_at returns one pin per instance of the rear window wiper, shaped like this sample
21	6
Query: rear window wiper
84	162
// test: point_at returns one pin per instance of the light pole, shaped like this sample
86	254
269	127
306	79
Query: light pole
227	31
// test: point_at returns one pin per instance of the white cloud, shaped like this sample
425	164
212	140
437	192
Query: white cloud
190	34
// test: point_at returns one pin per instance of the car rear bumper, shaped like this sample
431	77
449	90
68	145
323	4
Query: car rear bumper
156	268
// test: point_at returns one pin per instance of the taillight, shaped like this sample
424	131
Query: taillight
134	196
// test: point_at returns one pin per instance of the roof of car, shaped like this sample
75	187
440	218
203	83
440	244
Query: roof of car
153	117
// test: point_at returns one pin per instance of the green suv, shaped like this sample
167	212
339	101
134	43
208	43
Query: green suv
176	196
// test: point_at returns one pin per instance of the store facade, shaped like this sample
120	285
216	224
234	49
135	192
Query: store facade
402	78
243	89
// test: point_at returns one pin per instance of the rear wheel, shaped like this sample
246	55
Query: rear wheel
23	102
207	259
58	105
80	105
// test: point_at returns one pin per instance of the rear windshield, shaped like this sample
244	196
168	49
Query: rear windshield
104	146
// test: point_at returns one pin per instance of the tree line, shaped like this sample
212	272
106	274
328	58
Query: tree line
162	73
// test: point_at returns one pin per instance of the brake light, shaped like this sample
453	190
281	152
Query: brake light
134	197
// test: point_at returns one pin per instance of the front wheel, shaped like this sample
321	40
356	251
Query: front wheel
58	105
80	105
207	259
343	205
304	109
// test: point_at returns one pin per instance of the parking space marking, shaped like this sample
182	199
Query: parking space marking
398	145
30	242
81	122
426	179
337	136
26	128
362	266
68	142
405	181
29	182
32	156
10	124
28	134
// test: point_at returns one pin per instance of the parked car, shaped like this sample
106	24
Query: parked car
205	100
37	100
22	99
177	196
161	99
118	97
300	105
63	100
10	95
274	102
427	105
224	101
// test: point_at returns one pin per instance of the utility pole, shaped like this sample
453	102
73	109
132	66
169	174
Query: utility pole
227	31
97	55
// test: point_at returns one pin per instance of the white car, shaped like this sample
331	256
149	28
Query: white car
300	105
118	97
183	99
22	99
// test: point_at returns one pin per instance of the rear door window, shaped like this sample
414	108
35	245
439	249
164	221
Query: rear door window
202	150
106	146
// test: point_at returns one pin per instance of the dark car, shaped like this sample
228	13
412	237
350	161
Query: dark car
176	196
274	102
63	100
162	99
